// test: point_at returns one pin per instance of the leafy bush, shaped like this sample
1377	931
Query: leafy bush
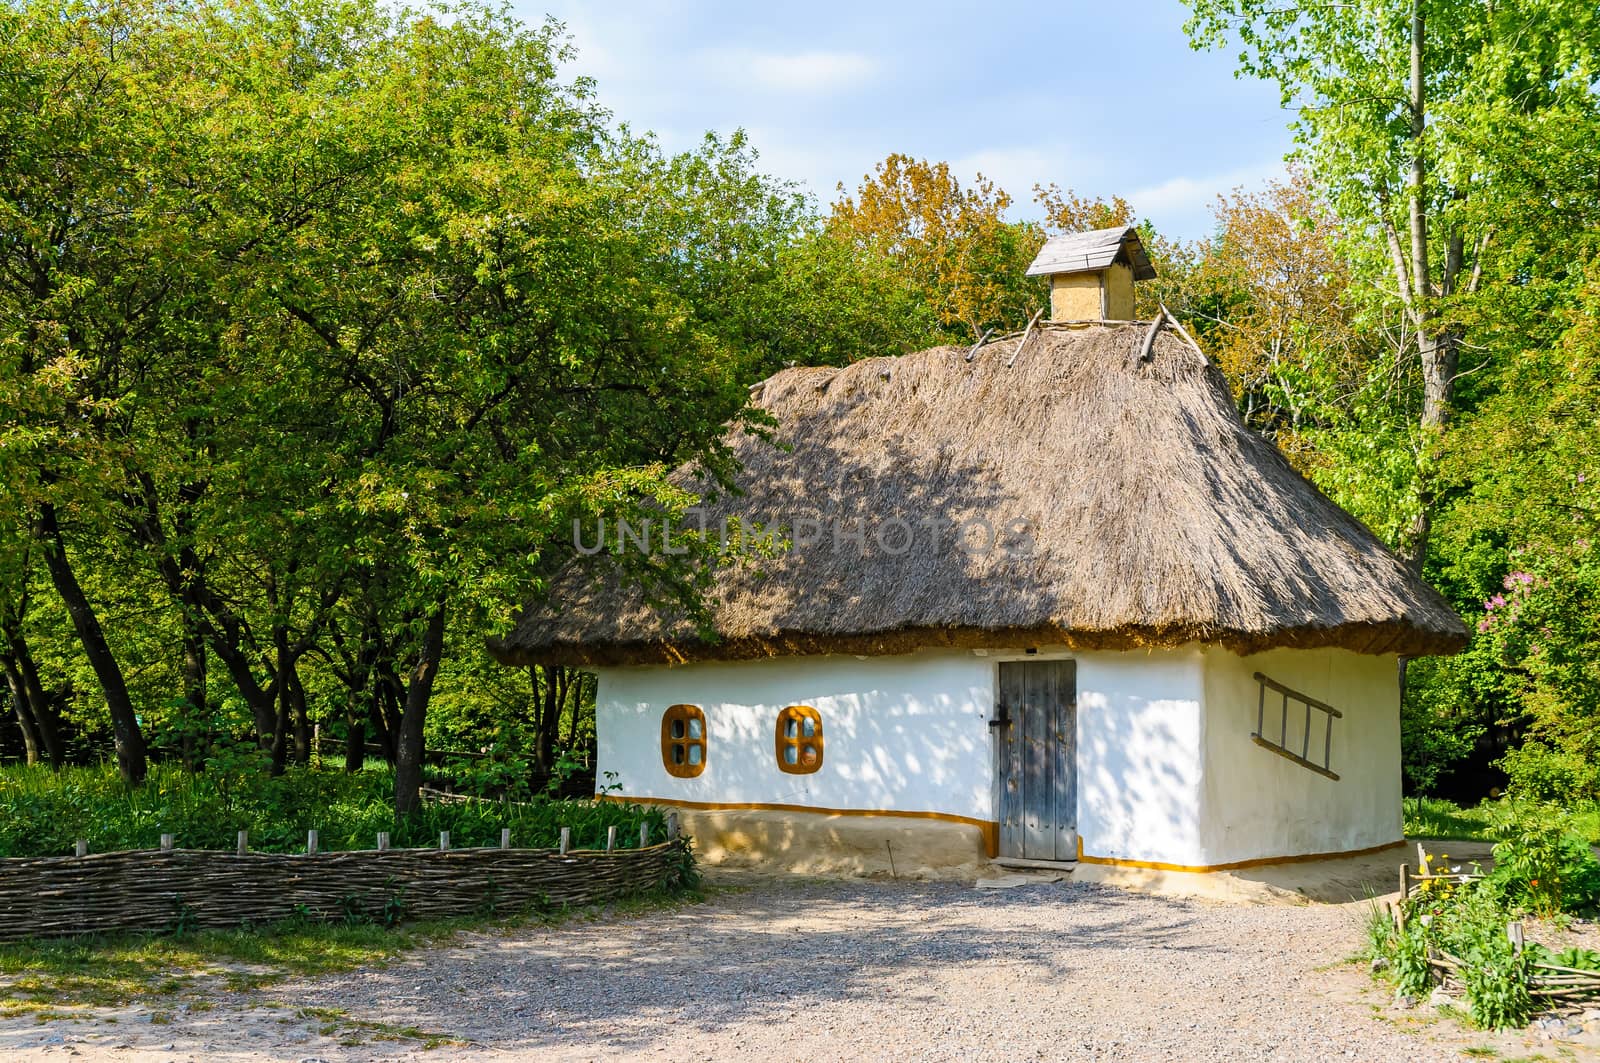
43	812
1538	771
1576	958
1541	864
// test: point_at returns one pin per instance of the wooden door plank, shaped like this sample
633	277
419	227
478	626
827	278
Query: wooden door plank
1065	762
1037	840
1009	761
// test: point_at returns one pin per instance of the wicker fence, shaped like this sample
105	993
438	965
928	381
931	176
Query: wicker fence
168	889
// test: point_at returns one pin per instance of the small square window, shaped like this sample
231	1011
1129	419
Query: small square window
799	740
683	741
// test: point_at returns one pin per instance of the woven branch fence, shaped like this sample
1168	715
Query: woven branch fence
1556	986
171	888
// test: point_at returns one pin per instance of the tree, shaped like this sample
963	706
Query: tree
953	242
1394	100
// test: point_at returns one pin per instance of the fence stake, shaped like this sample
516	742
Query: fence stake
80	847
244	842
566	839
167	842
505	837
611	837
444	840
311	842
1405	891
1514	935
672	826
383	840
644	835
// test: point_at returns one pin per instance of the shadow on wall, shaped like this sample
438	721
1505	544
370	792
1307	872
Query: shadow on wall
1140	760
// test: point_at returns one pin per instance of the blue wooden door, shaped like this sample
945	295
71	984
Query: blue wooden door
1036	750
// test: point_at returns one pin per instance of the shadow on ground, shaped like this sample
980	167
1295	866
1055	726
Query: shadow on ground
763	956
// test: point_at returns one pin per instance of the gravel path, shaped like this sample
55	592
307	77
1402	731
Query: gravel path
786	969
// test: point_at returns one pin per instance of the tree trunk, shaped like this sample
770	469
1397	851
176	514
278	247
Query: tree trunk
38	704
280	724
301	719
549	730
580	688
355	742
19	705
194	688
1437	347
387	695
408	746
124	722
363	684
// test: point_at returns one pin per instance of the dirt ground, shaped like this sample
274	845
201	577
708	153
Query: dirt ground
779	969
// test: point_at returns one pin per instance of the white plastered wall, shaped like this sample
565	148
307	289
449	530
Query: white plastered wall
1139	755
1257	804
906	733
1166	769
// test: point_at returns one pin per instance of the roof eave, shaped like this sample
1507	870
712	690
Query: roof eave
1397	638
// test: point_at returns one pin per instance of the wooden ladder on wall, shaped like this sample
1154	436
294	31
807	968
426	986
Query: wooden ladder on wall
1280	746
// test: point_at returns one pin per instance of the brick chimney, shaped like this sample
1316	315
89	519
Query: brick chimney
1092	274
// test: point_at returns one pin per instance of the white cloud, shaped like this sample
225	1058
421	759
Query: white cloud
812	73
1185	203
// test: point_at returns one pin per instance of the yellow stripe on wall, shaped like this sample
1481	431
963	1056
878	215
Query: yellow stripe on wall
1236	865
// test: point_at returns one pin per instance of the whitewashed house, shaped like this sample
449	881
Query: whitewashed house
1048	599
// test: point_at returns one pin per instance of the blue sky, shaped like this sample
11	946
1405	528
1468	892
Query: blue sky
1105	99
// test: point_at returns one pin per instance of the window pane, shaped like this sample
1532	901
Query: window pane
695	754
808	753
677	728
695	728
677	754
791	755
789	730
808	727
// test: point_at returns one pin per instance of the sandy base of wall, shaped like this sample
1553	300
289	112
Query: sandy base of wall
1335	880
816	843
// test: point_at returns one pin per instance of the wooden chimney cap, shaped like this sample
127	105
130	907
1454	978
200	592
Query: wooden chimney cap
1093	251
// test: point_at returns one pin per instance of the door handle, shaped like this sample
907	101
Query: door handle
1002	718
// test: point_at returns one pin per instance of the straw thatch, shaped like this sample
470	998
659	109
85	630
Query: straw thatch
1156	518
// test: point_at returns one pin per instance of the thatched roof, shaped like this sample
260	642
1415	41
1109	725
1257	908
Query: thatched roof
1086	252
1157	518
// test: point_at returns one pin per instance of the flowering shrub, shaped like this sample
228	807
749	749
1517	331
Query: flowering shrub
1541	868
1543	632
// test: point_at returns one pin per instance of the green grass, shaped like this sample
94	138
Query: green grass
42	813
1432	817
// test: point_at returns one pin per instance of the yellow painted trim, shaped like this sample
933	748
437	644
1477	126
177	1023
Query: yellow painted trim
990	828
1301	858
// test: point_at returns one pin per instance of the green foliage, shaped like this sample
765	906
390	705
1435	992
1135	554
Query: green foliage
1578	959
1541	867
1465	242
1432	817
42	813
1496	980
1435	733
1409	959
1540	864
